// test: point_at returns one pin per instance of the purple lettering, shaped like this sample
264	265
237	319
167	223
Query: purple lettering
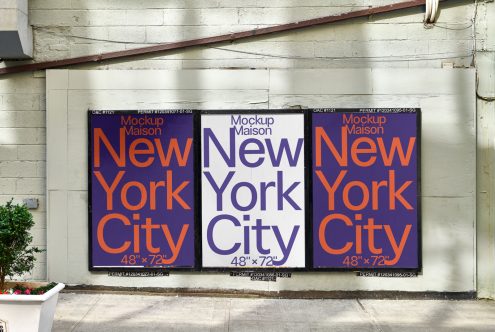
209	234
281	195
285	249
219	190
233	196
243	151
258	228
284	147
230	158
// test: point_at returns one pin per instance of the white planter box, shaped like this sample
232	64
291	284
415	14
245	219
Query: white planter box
29	313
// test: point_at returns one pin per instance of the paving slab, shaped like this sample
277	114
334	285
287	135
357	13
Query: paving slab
127	312
432	315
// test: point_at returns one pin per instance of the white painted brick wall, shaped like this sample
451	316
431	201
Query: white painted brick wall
448	193
8	152
68	28
135	34
22	151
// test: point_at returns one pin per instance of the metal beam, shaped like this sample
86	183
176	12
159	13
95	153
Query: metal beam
211	40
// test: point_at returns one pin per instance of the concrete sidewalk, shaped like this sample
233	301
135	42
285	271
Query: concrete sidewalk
119	312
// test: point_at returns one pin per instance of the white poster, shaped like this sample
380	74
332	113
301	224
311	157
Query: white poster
253	206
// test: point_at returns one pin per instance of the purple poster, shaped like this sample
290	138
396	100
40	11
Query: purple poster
365	188
141	189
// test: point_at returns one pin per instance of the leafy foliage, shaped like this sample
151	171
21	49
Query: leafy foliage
16	255
20	289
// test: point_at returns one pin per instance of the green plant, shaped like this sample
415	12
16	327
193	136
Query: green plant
21	289
16	256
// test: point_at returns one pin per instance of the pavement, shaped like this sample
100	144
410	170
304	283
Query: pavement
129	312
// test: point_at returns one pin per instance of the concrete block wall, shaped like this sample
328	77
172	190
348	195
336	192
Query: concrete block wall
445	97
23	151
485	63
65	28
69	28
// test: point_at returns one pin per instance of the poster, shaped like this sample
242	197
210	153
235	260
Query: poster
365	188
253	195
141	179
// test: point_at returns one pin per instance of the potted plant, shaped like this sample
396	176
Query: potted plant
23	306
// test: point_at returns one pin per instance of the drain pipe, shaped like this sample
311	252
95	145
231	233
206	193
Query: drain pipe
431	11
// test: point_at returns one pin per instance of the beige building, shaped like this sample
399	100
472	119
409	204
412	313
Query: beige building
390	59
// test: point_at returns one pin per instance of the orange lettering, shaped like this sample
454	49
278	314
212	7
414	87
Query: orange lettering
174	194
397	249
142	201
175	248
109	190
153	186
173	147
133	151
321	134
355	151
321	234
396	145
359	244
149	242
331	189
101	237
393	194
364	190
375	186
371	227
100	135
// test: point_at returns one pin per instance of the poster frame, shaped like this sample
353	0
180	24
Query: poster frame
419	253
306	188
196	193
308	194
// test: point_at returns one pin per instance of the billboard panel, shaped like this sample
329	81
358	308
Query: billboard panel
141	189
253	195
365	188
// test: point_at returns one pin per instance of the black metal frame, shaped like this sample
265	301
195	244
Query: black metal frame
417	111
308	164
306	197
196	189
